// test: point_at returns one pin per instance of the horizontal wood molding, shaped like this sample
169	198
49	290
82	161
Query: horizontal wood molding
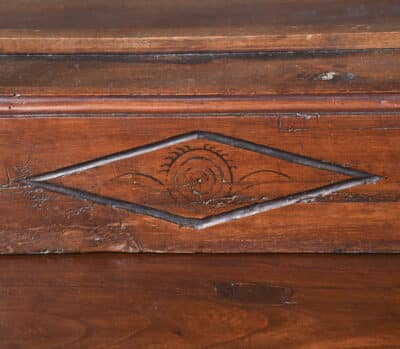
22	42
226	302
344	72
199	104
124	26
109	183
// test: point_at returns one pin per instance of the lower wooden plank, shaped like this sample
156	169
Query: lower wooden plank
276	301
200	184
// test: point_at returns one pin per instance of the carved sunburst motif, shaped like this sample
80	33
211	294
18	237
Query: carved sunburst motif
203	174
202	179
198	174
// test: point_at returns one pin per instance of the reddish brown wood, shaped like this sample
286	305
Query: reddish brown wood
298	79
360	219
115	301
188	25
214	74
200	105
199	126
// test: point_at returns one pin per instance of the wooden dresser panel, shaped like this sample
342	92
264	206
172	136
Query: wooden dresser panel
184	126
185	302
276	183
187	126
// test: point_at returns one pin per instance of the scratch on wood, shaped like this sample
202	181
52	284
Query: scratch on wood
9	184
326	76
251	292
333	76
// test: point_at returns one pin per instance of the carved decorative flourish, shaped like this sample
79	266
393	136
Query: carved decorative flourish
201	178
203	175
199	174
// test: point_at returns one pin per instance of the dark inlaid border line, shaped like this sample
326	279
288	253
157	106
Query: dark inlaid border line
359	178
115	157
108	201
207	222
172	141
305	196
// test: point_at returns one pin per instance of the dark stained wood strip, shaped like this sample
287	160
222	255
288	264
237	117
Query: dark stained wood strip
213	74
188	25
361	219
202	301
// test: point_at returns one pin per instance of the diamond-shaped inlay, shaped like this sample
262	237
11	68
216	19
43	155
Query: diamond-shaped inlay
201	179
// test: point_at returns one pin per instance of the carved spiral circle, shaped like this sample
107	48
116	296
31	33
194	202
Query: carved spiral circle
199	175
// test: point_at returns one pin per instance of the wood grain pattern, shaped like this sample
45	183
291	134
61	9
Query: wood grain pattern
120	301
275	83
348	72
187	25
361	219
294	104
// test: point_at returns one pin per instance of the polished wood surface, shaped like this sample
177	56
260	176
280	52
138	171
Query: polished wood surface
347	72
94	26
169	126
198	105
125	301
361	218
186	126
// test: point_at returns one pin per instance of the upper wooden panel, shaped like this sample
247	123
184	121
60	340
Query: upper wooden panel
206	74
48	26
